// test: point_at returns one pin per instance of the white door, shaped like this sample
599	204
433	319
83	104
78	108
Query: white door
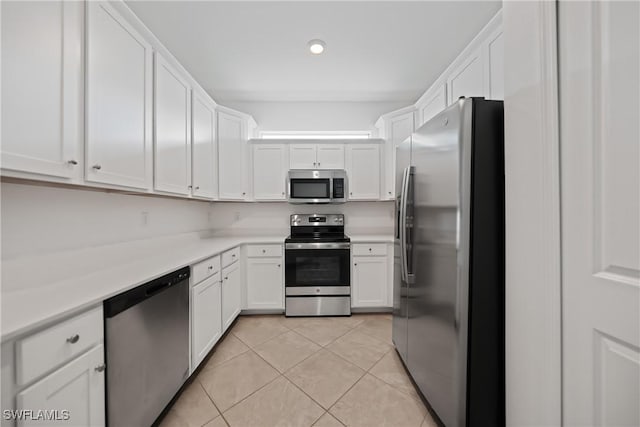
204	148
302	156
206	326
118	101
370	281
265	283
77	387
172	148
363	171
433	105
231	142
468	79
269	171
330	156
231	294
400	128
599	53
42	87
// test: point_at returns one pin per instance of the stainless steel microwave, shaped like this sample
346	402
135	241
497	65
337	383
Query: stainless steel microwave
317	186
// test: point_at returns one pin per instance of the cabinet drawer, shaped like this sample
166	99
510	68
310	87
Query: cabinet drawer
56	345
255	251
206	268
364	249
230	256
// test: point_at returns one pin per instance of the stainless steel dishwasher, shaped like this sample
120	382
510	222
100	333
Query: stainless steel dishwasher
147	348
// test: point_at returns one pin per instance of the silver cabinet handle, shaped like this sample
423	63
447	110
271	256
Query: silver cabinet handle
100	368
243	193
355	264
233	255
197	187
72	162
189	186
74	339
210	267
350	193
318	163
226	278
264	251
283	193
96	167
369	249
314	163
278	265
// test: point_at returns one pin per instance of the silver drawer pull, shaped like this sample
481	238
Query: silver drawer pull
278	265
100	368
233	255
72	162
96	167
210	267
264	251
74	339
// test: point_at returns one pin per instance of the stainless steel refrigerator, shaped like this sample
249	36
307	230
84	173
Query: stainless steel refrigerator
448	320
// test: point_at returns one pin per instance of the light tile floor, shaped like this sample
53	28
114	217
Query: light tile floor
323	371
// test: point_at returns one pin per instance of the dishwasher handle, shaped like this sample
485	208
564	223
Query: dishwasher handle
116	305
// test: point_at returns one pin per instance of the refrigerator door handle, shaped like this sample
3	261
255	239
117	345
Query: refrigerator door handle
403	225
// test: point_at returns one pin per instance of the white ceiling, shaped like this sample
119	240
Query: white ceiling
378	51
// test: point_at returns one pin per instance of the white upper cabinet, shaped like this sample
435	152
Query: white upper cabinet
397	126
172	137
204	147
330	156
316	156
432	105
42	87
118	100
302	156
363	171
231	150
468	79
495	66
269	171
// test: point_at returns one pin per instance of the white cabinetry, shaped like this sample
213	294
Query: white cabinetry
265	282
42	87
204	149
172	148
118	100
432	104
370	281
316	156
232	131
269	171
77	387
494	52
468	78
394	127
231	294
206	318
363	171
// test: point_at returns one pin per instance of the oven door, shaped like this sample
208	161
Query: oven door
317	269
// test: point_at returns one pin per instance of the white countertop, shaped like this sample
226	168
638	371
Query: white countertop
43	289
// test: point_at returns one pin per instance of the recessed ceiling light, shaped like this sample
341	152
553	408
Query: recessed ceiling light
316	46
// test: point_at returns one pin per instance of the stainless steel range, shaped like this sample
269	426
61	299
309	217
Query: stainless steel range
317	266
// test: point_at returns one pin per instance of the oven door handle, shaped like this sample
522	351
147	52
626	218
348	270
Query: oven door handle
324	245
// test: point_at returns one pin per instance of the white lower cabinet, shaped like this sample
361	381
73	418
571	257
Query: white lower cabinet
75	392
265	283
206	318
231	294
370	276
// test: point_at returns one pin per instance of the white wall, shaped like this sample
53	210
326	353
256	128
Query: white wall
38	219
315	116
270	218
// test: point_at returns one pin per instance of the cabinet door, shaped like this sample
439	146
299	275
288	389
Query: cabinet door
231	159
204	148
495	66
269	171
330	156
42	87
206	318
433	105
231	294
118	101
302	156
399	128
172	148
77	387
265	283
468	79
363	171
370	281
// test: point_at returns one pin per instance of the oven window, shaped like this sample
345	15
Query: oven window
310	188
319	267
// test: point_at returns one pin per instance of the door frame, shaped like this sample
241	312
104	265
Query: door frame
533	286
